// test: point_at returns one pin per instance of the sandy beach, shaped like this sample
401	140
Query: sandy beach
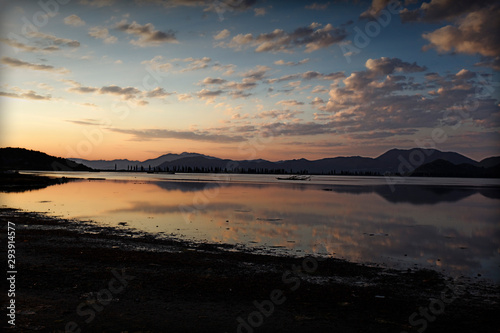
75	276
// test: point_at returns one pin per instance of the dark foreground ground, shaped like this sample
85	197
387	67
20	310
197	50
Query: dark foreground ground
76	276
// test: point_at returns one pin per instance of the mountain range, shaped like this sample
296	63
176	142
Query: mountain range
401	161
415	162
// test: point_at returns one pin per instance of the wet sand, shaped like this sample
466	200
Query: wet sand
76	276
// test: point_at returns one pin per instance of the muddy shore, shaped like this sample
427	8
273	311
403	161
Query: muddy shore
19	182
76	276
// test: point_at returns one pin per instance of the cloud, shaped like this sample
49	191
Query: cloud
315	75
210	5
83	90
53	40
473	27
491	62
239	94
442	10
30	94
290	102
228	69
126	93
102	33
158	93
317	102
28	48
291	63
309	75
384	66
382	134
318	6
375	8
195	64
148	36
42	42
223	6
222	34
98	3
38	67
296	129
86	122
155	134
311	37
477	32
319	90
209	80
158	64
74	20
209	94
278	114
385	97
184	97
256	74
259	11
240	85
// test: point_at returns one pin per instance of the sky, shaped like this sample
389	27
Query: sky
248	79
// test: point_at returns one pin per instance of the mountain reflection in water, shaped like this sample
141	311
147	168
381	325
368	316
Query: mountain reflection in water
450	228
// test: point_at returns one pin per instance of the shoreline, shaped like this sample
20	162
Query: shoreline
20	182
66	269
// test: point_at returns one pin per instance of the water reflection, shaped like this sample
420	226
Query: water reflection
414	194
420	195
450	228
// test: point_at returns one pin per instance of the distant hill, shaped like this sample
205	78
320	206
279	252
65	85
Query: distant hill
124	164
394	161
490	162
24	159
400	160
442	168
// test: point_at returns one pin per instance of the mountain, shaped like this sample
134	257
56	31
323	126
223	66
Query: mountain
24	159
442	168
405	161
490	162
123	164
394	161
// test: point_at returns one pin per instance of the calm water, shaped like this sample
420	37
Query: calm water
451	225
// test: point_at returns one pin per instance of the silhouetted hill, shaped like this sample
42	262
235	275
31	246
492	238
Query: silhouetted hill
24	159
404	160
442	168
394	161
124	164
490	162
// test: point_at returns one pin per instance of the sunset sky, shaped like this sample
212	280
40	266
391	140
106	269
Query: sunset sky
244	79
